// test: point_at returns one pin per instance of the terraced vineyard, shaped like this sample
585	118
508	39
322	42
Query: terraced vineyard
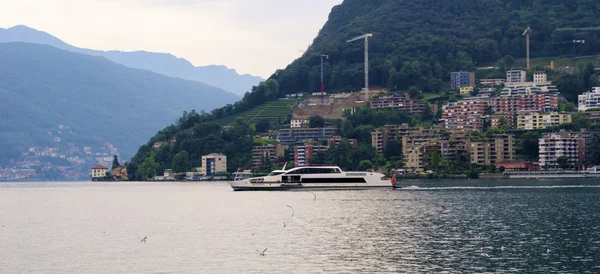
271	110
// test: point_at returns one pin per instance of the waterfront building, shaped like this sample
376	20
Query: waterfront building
99	172
489	151
214	163
262	152
401	102
464	115
589	100
564	143
542	120
461	79
415	145
289	136
515	165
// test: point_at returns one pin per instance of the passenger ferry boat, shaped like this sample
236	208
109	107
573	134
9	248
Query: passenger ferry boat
314	177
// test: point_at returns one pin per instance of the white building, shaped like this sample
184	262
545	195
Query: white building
542	120
515	76
569	144
298	122
99	172
589	100
539	77
214	163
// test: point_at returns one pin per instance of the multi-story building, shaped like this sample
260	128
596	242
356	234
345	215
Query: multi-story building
490	151
540	77
464	114
214	163
516	76
289	136
492	82
262	152
564	143
304	152
297	122
589	100
415	146
381	137
461	79
498	119
546	102
542	120
99	172
455	146
400	102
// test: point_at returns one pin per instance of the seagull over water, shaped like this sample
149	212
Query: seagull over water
143	239
261	253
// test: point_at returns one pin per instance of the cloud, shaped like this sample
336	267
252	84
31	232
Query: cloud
252	36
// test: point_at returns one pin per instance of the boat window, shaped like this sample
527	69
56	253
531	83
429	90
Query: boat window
274	173
315	171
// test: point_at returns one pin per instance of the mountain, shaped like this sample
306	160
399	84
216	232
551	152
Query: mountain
419	42
90	99
163	63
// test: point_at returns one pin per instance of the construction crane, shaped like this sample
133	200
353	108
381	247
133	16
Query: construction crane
322	83
526	34
574	42
366	37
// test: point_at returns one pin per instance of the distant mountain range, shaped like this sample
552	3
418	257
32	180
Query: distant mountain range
163	63
42	87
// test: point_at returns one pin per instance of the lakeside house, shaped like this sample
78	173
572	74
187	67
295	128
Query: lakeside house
99	172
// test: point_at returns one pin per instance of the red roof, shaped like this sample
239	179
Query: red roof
99	167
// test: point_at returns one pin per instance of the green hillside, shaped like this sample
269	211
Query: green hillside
272	111
42	87
418	42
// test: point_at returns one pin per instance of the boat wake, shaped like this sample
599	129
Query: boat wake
416	188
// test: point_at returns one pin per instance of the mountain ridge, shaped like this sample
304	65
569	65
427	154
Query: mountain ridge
102	101
164	63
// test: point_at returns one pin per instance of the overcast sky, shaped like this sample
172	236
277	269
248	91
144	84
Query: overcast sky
252	36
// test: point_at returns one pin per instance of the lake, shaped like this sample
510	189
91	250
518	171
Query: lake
507	226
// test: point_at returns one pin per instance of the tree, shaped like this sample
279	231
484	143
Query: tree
115	162
501	169
147	169
393	148
562	161
365	165
180	162
316	121
509	60
262	125
413	92
427	115
567	107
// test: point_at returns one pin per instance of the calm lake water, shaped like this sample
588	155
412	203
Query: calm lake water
550	226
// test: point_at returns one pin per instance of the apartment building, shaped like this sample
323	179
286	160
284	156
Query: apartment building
542	120
455	146
492	82
540	77
546	102
262	152
516	76
486	151
498	119
381	137
304	152
464	115
564	143
589	100
298	122
466	91
415	146
400	102
289	136
460	79
334	140
214	163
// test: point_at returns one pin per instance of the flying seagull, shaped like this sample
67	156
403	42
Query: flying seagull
261	253
291	209
144	239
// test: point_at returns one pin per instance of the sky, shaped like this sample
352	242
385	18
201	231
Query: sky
251	36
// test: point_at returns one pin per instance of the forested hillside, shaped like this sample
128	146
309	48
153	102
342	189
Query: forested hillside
418	42
42	87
